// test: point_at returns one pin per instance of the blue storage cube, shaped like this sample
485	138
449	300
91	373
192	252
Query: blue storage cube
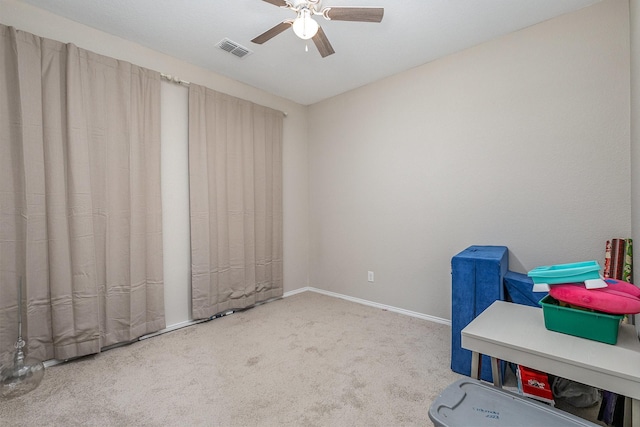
477	276
519	287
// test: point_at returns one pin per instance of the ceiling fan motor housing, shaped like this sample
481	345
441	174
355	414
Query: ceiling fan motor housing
312	5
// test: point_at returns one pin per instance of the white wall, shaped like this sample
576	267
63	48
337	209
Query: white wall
175	201
635	131
635	118
174	140
522	142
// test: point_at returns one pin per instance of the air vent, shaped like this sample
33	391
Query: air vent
233	48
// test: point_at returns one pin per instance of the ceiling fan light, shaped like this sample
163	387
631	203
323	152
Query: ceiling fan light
304	26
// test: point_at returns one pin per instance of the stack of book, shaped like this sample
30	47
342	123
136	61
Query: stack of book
618	260
618	264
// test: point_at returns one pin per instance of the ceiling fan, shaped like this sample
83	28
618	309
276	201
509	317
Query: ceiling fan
306	27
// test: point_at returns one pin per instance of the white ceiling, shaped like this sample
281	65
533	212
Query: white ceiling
412	32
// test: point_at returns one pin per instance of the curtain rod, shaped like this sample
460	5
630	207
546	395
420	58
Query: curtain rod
176	79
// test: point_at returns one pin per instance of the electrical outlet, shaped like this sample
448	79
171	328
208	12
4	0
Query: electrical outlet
370	276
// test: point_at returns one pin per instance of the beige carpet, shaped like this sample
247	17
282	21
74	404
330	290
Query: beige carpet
306	360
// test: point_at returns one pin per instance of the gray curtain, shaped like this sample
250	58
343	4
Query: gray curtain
235	177
80	208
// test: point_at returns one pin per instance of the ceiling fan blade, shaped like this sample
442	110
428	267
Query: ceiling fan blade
272	32
322	43
361	14
280	3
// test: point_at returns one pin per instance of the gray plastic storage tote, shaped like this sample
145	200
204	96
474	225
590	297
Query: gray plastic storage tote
468	402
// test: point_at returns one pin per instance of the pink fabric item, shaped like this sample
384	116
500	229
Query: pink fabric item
614	299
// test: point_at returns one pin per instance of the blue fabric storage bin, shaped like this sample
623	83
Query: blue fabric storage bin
477	276
519	287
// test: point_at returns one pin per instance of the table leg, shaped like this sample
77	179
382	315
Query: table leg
475	365
635	412
495	371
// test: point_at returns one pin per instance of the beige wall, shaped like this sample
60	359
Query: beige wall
174	140
635	131
522	142
635	117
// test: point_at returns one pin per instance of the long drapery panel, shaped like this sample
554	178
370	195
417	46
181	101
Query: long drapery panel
80	208
235	178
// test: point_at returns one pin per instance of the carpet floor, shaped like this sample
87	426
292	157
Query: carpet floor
306	360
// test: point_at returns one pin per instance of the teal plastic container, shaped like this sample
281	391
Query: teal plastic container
566	273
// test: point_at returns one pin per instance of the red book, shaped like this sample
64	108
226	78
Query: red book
534	384
617	258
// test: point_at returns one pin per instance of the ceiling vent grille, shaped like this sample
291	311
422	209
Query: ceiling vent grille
233	48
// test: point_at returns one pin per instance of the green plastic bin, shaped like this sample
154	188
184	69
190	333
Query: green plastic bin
593	325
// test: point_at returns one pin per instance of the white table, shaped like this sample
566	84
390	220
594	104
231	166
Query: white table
516	333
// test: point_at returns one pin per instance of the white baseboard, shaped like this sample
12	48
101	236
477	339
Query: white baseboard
371	304
297	291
